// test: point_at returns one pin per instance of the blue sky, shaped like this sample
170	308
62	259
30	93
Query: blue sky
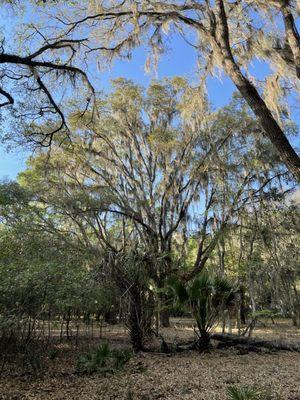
11	163
181	60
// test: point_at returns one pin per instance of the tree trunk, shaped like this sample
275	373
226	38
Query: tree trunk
110	317
164	318
272	129
269	124
243	308
204	340
68	319
62	327
49	327
292	36
296	304
136	320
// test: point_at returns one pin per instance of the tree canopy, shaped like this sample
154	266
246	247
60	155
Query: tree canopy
226	36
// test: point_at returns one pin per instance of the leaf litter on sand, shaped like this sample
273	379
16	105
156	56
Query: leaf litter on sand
184	376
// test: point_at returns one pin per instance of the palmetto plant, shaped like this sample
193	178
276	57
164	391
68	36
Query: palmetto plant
206	297
102	360
245	393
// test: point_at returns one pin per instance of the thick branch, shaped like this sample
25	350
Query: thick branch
271	127
292	36
9	98
29	62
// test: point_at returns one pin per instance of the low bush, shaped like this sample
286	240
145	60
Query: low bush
246	393
102	360
33	359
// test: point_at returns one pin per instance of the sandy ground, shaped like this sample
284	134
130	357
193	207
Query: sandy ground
181	376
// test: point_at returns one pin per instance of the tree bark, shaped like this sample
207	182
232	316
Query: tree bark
164	318
204	340
292	36
271	128
136	320
269	124
68	319
243	307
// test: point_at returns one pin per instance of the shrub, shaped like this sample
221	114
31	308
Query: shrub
102	360
52	353
33	359
206	297
246	393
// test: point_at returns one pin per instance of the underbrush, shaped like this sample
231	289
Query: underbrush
247	393
35	358
27	356
102	360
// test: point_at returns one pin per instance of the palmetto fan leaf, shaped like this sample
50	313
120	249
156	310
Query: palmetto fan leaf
206	297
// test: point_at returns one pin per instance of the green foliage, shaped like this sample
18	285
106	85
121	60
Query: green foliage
45	277
52	353
12	193
116	210
33	359
102	360
265	313
206	296
246	393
